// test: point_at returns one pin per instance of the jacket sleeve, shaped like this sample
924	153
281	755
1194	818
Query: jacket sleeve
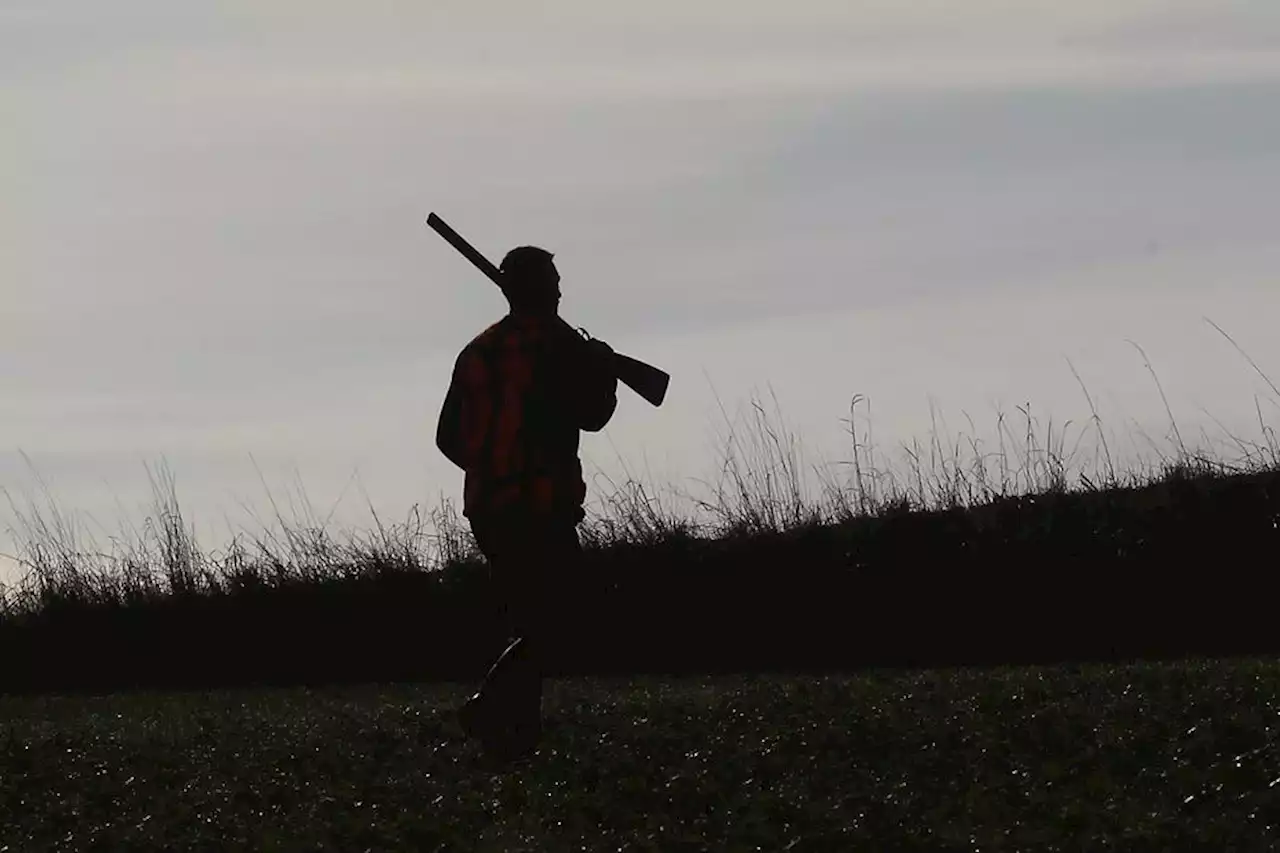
597	387
449	437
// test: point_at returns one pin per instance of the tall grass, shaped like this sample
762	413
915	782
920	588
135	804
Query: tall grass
763	482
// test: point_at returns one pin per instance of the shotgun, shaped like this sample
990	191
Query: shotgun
645	379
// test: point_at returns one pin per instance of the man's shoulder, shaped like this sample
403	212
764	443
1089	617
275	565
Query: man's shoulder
535	337
524	329
485	339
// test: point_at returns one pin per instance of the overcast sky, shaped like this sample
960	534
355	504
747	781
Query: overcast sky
213	250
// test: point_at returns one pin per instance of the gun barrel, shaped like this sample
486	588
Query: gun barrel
466	249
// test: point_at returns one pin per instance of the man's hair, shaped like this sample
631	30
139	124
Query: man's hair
524	271
524	263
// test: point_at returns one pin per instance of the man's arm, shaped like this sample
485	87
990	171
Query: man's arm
597	388
449	426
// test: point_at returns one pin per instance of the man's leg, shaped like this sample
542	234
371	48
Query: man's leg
528	559
522	582
558	551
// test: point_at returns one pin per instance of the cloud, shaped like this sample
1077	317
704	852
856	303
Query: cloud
216	239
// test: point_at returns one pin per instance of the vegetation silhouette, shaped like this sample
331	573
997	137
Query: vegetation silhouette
1031	549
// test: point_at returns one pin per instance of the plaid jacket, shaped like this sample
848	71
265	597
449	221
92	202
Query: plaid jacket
520	393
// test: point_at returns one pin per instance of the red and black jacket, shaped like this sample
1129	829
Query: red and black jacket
520	393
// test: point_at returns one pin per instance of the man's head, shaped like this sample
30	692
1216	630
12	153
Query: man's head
531	282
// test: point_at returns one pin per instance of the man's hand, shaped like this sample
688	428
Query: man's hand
599	385
596	348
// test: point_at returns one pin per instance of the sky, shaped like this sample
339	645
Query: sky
213	252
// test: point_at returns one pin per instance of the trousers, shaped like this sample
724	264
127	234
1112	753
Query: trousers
531	557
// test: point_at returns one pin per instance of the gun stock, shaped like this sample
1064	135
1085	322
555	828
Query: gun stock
646	380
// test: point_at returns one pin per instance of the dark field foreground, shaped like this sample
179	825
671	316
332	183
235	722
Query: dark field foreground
1140	757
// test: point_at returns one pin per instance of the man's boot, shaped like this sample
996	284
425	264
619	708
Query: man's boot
507	709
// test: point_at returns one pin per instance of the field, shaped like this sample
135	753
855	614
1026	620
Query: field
1029	550
1151	756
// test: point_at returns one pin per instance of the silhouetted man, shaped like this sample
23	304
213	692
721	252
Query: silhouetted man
521	392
